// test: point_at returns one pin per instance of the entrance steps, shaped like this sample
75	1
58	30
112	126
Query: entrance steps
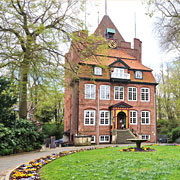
123	135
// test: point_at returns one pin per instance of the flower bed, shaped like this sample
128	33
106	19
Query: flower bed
133	149
30	170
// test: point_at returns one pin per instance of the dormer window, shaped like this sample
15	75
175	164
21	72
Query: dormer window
138	75
110	33
98	71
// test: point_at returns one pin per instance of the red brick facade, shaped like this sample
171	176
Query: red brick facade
126	61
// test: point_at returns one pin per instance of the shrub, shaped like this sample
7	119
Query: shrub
53	130
175	133
26	137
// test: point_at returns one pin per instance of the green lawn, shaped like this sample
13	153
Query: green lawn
111	164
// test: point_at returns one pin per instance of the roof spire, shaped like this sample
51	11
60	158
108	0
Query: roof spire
105	7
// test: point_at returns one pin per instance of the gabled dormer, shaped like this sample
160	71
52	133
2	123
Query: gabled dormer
119	70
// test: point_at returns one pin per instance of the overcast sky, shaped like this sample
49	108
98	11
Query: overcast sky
122	13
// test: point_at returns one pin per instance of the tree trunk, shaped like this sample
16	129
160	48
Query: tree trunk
24	70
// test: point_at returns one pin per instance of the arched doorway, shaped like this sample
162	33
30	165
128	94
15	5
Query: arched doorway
121	120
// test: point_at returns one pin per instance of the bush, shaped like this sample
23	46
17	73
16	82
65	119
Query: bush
175	134
26	137
54	129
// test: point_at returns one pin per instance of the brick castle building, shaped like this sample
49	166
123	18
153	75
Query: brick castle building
118	97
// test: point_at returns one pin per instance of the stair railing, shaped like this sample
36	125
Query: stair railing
134	132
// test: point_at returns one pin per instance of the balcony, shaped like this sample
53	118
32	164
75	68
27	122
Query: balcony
120	75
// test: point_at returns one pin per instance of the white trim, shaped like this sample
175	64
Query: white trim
104	138
94	139
145	137
90	94
119	92
132	93
89	117
146	117
145	94
104	118
98	71
133	117
106	92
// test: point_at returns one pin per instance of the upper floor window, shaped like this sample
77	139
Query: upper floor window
104	118
133	117
138	75
104	92
97	70
145	94
89	117
132	93
90	91
119	93
118	72
145	117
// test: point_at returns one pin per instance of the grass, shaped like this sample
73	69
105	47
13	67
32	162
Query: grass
111	164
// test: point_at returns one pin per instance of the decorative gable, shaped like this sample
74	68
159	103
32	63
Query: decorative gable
119	64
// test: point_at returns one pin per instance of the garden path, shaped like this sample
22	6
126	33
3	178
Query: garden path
12	161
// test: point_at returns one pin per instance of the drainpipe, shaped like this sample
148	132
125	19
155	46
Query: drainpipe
98	118
155	124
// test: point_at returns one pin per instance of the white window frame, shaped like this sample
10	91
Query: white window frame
118	88
138	76
90	94
94	137
133	99
106	92
94	118
104	138
98	71
119	72
133	117
146	136
145	117
145	94
104	118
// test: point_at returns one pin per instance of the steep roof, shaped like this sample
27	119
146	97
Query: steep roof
107	23
111	55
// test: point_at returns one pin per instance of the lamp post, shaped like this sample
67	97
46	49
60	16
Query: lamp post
15	110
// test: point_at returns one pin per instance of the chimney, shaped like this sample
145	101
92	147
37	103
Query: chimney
137	47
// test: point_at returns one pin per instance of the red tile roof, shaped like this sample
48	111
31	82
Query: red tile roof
111	55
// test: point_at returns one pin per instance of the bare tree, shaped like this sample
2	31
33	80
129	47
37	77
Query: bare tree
167	13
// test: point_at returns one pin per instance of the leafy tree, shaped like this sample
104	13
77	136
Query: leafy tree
31	33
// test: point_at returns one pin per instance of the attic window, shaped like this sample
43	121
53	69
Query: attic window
110	33
138	75
97	70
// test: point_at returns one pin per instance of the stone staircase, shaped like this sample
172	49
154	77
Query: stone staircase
123	135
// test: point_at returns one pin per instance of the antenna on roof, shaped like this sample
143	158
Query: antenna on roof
85	14
135	24
98	17
105	7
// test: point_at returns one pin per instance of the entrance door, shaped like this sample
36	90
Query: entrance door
121	120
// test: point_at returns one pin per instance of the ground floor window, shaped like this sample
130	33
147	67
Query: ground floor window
104	138
104	118
92	139
146	136
145	117
133	117
89	117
